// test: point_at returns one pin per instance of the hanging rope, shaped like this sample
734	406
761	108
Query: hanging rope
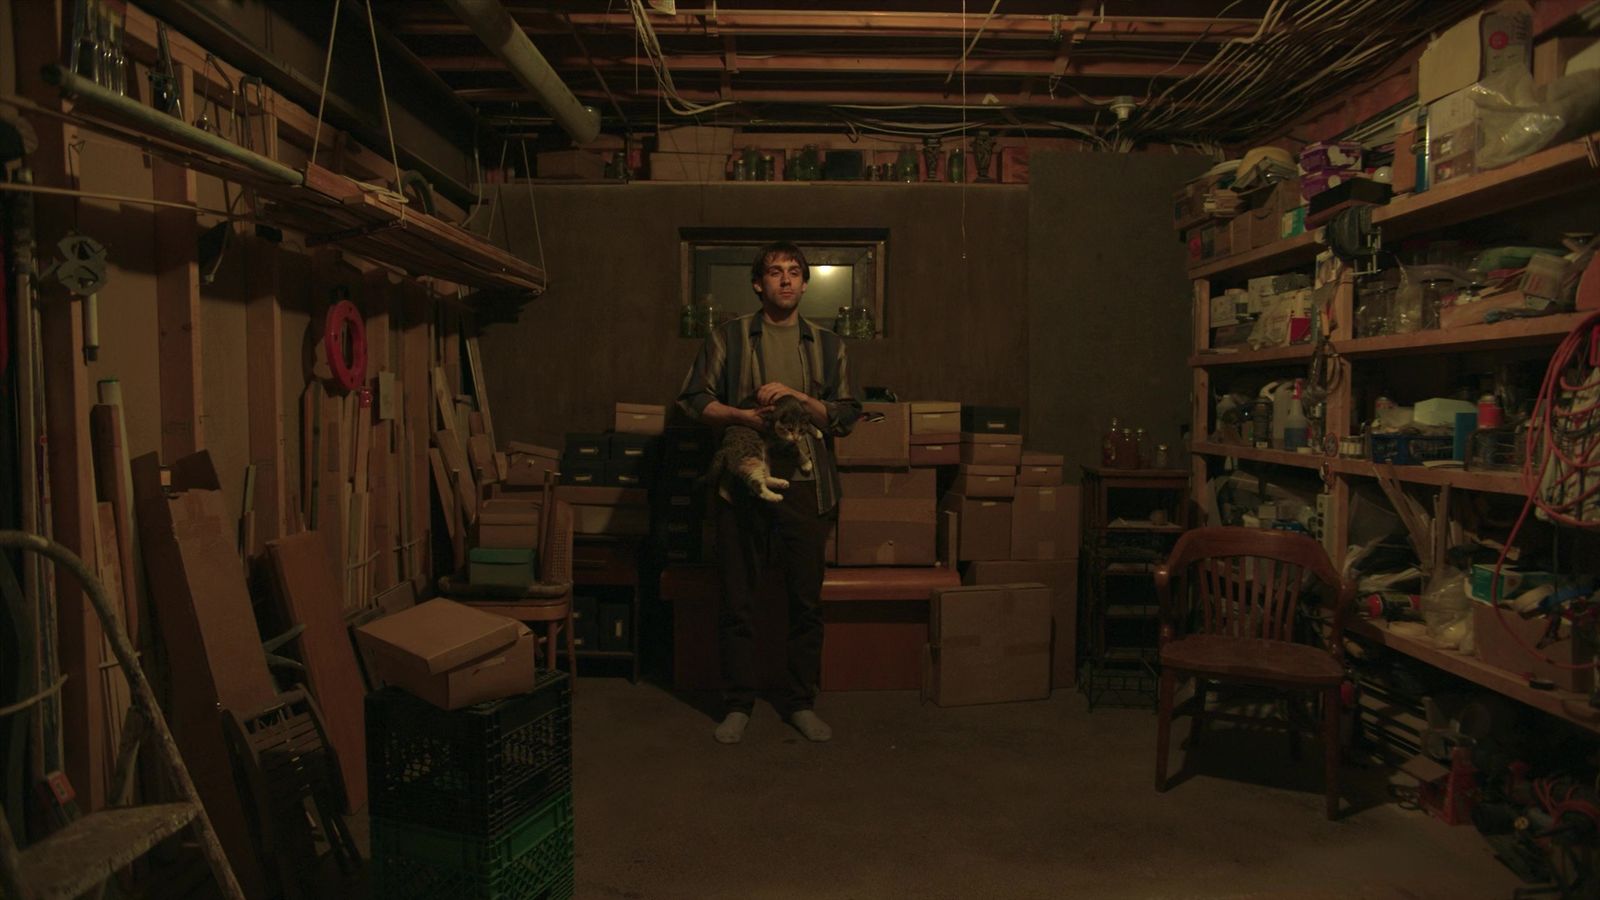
327	66
383	96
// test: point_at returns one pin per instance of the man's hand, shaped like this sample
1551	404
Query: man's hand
771	392
755	418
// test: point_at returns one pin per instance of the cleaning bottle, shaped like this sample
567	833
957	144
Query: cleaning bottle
1296	428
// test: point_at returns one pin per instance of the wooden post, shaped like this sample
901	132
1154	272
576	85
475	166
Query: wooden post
178	300
264	374
70	503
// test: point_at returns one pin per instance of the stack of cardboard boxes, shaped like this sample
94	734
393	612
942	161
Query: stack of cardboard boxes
887	509
682	527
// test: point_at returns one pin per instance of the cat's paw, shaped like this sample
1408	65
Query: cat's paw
777	484
816	432
806	467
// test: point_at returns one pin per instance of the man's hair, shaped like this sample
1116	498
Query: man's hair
779	250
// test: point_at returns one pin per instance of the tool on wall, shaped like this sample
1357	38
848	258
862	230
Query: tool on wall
164	93
82	271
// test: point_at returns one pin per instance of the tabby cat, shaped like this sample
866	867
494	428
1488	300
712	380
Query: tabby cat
745	452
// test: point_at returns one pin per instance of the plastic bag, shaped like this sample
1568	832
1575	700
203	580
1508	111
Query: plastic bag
1516	118
1447	610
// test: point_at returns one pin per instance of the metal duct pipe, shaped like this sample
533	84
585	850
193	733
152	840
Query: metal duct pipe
495	27
157	122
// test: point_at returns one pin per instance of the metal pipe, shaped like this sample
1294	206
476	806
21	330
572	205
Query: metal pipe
495	27
86	92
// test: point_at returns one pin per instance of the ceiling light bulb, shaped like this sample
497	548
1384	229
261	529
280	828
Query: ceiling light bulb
1123	106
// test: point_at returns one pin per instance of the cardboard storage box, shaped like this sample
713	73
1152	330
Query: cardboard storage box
886	532
527	463
1499	649
983	526
988	644
581	474
984	449
1266	219
704	139
1452	134
1039	469
936	449
935	417
508	523
502	567
1061	577
986	481
608	510
1044	522
449	654
991	419
688	166
571	164
881	443
641	418
586	448
1239	231
888	484
1475	48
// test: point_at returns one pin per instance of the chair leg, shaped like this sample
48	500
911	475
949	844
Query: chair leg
1169	683
572	653
1330	748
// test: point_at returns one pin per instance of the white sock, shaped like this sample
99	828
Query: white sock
808	724
731	730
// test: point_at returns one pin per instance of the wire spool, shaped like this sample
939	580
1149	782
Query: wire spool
344	325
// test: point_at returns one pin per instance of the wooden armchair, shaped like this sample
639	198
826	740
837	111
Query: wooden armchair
1229	597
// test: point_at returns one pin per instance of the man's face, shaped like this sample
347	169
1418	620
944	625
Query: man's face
781	286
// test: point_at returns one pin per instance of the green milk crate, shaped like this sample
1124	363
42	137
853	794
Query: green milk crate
530	860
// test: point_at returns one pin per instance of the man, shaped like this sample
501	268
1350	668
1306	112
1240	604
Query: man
744	367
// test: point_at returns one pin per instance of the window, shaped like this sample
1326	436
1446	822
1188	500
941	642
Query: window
847	269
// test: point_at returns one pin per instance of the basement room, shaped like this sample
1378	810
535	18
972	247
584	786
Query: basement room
848	449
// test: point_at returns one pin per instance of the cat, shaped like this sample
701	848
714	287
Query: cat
745	452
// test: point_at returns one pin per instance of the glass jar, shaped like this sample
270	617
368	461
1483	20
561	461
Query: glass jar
861	323
688	322
1372	315
1406	311
906	164
955	169
1108	444
769	167
1141	448
841	322
708	317
1163	456
810	163
1127	450
1433	295
741	169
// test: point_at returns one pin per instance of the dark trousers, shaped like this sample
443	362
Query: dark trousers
792	534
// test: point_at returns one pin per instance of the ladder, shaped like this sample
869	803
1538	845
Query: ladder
82	856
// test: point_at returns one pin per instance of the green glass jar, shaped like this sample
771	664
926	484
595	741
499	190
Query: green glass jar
861	324
956	168
688	322
841	322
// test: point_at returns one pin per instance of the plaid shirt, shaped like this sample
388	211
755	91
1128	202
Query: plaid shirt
729	370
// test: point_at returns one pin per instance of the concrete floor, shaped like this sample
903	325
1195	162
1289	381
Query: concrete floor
1041	799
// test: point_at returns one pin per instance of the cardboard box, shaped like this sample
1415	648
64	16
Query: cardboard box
1266	219
935	417
641	418
988	644
887	532
943	454
982	449
1040	469
527	463
1044	522
888	484
515	567
983	526
986	481
1499	649
451	655
583	164
1550	57
1239	232
508	523
703	139
615	511
1061	577
586	448
991	419
881	443
583	474
1475	48
688	166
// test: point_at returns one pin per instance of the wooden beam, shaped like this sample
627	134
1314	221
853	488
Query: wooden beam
264	376
733	63
69	498
930	97
178	300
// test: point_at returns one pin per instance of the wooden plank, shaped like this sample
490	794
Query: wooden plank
382	489
455	460
416	367
116	484
115	695
480	387
310	450
309	589
1214	358
1510	333
264	374
178	301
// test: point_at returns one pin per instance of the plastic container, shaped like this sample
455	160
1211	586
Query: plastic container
533	859
1410	449
473	771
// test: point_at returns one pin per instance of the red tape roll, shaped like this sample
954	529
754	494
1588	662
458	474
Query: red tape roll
344	317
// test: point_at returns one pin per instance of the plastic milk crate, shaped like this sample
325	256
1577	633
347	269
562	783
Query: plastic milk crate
473	771
1410	449
531	860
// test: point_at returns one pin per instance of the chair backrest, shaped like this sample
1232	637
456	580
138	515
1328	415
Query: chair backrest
555	554
1245	582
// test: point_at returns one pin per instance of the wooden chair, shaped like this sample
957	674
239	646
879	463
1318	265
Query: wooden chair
547	602
1229	598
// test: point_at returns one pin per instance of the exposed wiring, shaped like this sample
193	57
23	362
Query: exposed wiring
658	63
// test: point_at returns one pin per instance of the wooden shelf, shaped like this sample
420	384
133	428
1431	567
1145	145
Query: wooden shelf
1510	333
1298	250
1211	358
1488	482
1146	529
1567	705
1559	170
1276	457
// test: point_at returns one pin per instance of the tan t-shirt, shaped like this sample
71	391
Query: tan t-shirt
780	357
